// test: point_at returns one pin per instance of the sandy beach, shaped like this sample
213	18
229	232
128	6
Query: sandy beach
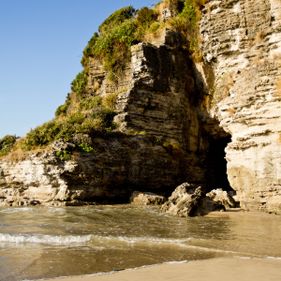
229	269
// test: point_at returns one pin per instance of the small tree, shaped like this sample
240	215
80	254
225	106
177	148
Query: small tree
6	144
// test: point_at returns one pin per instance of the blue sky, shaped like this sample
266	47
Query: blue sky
41	44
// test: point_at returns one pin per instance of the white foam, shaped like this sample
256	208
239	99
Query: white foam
273	258
44	239
16	210
152	241
139	240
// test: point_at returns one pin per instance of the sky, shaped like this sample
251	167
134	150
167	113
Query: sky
41	45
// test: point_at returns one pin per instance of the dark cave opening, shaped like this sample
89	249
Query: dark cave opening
216	170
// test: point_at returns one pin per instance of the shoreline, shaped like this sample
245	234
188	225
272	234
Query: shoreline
232	268
225	268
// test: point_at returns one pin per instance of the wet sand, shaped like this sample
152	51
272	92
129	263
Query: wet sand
227	269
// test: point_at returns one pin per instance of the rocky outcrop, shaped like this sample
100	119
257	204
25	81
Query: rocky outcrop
222	197
241	46
184	200
33	181
191	200
117	166
155	147
147	199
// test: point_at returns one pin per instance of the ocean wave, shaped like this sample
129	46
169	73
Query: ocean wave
45	239
152	240
14	210
273	258
107	241
110	242
140	240
189	243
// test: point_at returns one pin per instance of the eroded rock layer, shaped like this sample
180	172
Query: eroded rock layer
241	44
159	142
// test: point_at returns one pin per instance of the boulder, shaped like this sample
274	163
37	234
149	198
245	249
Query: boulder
184	200
274	204
222	197
190	200
146	198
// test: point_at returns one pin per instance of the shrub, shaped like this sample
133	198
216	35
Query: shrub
98	118
79	84
154	27
88	51
113	47
186	23
145	18
102	119
83	113
90	102
62	109
41	135
117	18
126	26
86	147
175	5
91	125
63	155
76	118
66	132
116	35
109	101
6	144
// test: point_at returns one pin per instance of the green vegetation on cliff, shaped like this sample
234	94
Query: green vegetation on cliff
125	27
6	144
79	84
186	22
85	112
116	35
87	119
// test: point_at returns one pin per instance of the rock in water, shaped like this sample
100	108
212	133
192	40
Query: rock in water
190	200
184	200
221	196
147	198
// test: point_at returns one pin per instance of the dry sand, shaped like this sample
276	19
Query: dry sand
227	269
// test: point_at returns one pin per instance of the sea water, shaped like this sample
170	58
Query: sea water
43	242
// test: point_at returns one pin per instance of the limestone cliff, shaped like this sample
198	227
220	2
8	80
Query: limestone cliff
158	143
241	45
174	118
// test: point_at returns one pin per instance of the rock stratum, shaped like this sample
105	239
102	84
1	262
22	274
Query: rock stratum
214	123
241	41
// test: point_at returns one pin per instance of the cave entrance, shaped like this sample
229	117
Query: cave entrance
216	172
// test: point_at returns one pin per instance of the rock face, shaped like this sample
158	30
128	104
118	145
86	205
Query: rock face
159	143
36	180
110	173
241	45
